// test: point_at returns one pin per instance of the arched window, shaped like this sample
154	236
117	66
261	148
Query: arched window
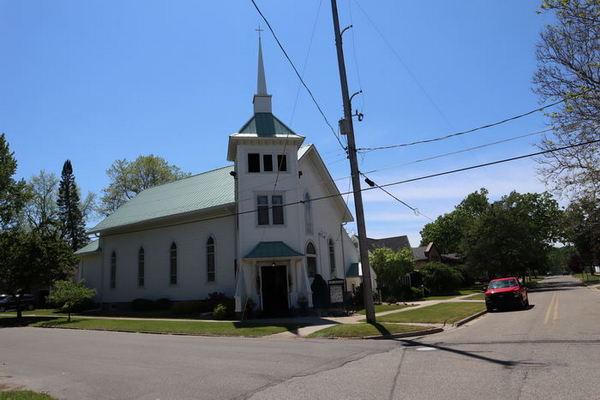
141	267
332	257
308	214
210	259
173	264
113	270
311	260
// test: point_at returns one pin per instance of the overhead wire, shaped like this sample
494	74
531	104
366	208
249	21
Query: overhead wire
419	178
298	74
453	152
473	129
370	182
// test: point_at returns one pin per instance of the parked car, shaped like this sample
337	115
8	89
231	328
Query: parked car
8	302
506	292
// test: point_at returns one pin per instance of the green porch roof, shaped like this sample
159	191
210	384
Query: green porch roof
266	125
91	247
198	192
353	271
273	250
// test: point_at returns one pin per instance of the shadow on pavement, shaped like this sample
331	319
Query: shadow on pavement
14	322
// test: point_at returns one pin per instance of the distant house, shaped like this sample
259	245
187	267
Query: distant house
425	254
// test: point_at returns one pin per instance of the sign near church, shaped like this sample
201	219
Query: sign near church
336	293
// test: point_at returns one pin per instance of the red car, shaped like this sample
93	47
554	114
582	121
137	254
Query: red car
506	292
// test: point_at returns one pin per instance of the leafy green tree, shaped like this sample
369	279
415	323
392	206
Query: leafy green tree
391	267
582	228
441	279
127	179
568	57
32	259
514	236
69	211
13	194
71	296
41	212
448	230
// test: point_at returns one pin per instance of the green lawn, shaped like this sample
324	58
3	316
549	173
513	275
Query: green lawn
441	297
437	313
587	278
385	307
174	327
25	395
478	296
363	329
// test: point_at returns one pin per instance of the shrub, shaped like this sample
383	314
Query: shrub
224	310
163	304
440	278
142	305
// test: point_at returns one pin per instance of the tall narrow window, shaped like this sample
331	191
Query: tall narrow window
281	162
210	259
331	258
141	267
277	206
253	162
262	203
173	264
267	162
311	260
113	270
308	214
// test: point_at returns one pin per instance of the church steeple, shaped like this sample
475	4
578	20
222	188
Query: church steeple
262	100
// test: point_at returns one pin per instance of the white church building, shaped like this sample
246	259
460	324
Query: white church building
258	229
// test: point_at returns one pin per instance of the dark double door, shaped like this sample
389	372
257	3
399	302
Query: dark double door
274	290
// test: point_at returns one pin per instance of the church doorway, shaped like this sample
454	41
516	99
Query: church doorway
274	290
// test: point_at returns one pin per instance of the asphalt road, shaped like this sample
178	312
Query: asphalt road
551	351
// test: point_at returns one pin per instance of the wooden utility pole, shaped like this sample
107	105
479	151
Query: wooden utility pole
347	128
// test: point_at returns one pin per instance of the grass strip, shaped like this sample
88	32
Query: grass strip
587	278
364	329
385	307
478	296
173	327
25	395
437	313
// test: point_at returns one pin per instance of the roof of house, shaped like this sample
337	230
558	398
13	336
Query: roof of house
91	247
419	253
198	192
395	243
272	250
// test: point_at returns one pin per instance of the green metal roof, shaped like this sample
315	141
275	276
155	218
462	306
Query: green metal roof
91	247
207	190
265	125
273	250
353	271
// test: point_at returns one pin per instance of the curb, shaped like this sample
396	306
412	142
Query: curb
405	334
469	318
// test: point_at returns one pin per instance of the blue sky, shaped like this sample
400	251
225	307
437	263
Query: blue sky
97	81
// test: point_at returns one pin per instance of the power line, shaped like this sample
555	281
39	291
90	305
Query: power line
473	129
298	74
456	152
401	61
419	178
415	210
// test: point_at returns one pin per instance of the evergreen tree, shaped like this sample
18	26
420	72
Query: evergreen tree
71	217
13	194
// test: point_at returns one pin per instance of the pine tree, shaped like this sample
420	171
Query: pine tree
13	194
71	217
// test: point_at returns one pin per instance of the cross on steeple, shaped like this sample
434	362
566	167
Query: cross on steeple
259	30
262	100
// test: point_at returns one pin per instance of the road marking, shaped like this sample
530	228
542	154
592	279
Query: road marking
549	311
555	311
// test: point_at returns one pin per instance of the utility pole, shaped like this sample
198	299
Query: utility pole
347	128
